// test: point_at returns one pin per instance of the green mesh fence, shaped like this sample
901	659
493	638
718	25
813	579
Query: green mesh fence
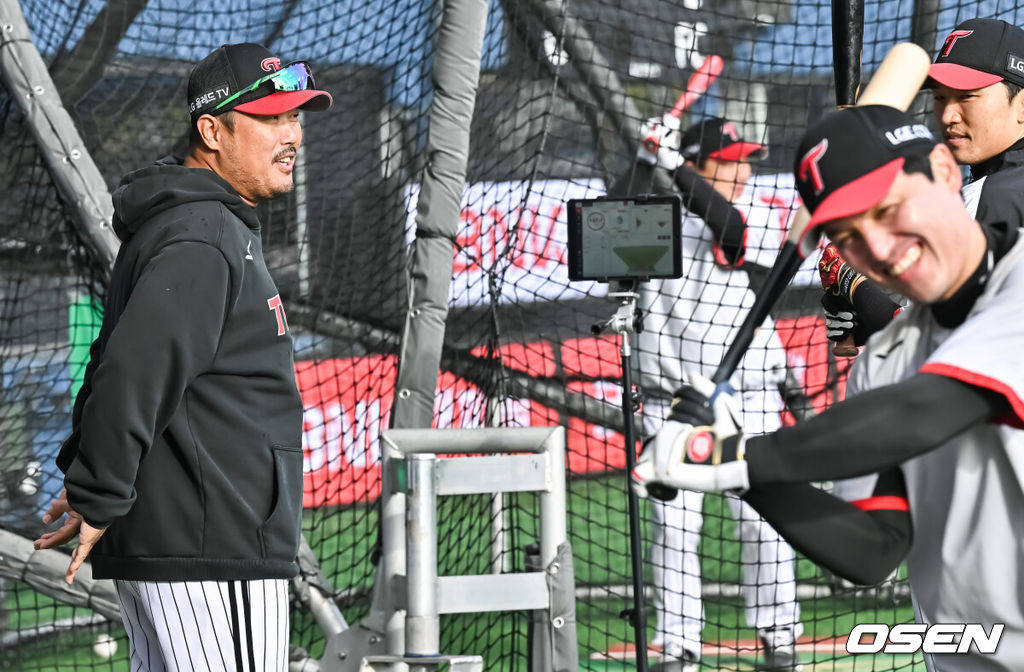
563	88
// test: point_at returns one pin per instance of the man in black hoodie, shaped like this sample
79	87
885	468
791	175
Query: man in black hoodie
183	473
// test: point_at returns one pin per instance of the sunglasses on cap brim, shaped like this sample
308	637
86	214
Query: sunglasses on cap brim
292	77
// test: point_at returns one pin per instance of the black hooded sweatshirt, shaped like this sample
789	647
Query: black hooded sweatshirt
186	441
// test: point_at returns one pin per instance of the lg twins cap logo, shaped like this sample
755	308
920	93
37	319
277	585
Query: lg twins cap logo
270	64
951	40
898	136
729	130
809	169
1015	63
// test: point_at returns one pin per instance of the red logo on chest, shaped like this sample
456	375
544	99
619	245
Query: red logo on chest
274	303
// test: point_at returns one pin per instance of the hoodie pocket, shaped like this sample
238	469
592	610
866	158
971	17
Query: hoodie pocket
280	532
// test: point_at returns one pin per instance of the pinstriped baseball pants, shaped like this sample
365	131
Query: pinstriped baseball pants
209	626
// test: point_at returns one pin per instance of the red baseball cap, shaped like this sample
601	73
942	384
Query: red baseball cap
847	161
247	77
716	138
979	53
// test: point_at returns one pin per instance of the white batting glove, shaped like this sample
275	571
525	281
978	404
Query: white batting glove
839	324
700	446
659	142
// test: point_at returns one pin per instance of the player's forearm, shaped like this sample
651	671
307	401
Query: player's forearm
874	309
861	546
725	221
872	431
69	448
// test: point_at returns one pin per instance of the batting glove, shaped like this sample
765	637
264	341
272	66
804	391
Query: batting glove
837	277
839	282
659	142
700	446
840	318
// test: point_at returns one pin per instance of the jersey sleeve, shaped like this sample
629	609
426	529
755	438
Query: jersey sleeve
985	351
888	493
862	541
168	333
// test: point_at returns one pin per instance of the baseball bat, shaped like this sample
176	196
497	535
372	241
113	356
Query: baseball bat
895	83
698	84
885	89
847	45
702	78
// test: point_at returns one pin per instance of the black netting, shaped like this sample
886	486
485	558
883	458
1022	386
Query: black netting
563	89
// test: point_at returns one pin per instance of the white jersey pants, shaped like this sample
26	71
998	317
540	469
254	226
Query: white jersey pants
215	626
769	580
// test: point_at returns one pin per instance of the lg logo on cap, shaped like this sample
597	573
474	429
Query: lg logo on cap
1015	63
270	64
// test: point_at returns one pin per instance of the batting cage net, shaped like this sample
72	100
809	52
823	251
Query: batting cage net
564	87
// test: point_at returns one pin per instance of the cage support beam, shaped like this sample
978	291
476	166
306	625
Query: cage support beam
76	176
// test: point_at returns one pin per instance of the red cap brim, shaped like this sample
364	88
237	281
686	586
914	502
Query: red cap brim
858	196
738	151
961	77
286	101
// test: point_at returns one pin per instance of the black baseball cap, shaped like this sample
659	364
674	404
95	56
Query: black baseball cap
979	53
247	77
848	160
716	138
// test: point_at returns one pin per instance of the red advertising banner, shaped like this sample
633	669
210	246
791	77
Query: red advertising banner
348	404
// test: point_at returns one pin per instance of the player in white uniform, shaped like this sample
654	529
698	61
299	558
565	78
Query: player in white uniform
938	392
686	323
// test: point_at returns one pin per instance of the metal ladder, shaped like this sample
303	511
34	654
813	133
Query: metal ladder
414	477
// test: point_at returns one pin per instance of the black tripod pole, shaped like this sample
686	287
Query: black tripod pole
625	322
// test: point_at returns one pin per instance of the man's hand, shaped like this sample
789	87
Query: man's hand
659	142
837	277
840	282
700	446
73	526
854	307
840	318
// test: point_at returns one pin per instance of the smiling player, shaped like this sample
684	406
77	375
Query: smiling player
976	83
936	401
183	473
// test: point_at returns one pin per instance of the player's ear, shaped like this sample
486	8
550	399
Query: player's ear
1017	106
208	130
945	170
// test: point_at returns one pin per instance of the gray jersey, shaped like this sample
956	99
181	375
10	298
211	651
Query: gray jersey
966	564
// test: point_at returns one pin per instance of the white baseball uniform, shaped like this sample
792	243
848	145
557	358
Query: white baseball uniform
688	324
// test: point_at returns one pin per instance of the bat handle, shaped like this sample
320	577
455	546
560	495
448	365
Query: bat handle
846	348
724	387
